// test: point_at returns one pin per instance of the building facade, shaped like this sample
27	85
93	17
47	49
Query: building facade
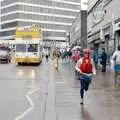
78	31
75	30
104	24
52	16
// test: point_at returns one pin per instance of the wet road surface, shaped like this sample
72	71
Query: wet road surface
42	93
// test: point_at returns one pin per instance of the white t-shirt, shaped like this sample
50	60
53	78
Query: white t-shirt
115	59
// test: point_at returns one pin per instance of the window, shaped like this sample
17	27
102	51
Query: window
21	48
106	1
98	13
32	48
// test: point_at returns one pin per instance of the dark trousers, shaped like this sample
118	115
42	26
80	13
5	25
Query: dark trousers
47	58
96	65
84	87
104	68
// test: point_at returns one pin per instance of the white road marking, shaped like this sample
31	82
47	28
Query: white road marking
24	114
30	101
31	104
33	91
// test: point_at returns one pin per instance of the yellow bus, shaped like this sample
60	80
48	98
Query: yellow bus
28	47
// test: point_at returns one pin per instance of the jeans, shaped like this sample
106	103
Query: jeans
84	86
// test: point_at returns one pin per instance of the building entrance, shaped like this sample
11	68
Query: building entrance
117	38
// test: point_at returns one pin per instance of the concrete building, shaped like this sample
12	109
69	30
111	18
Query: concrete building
78	31
75	30
54	17
104	24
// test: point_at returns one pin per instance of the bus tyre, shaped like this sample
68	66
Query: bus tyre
19	63
7	61
38	63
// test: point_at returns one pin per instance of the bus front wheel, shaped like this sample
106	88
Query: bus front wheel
19	63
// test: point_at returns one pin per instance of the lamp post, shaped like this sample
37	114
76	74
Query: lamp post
83	19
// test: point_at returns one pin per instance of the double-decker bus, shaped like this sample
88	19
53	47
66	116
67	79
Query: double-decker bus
27	45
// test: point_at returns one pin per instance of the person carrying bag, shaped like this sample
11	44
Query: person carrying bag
85	67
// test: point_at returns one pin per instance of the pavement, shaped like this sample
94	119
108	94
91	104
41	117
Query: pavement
101	101
42	93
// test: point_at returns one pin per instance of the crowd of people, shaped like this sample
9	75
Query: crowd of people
87	62
100	59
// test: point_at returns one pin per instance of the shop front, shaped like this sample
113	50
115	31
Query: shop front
116	33
96	40
117	38
109	41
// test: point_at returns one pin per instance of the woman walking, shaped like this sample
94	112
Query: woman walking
56	55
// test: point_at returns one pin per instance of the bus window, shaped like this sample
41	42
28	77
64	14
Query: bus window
20	48
33	48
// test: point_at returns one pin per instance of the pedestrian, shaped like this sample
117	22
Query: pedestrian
47	55
81	52
56	55
115	62
62	56
95	58
103	60
85	67
69	54
65	55
76	58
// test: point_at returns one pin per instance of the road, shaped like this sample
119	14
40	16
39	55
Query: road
18	82
42	93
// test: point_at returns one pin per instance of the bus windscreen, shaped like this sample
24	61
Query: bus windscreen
20	48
